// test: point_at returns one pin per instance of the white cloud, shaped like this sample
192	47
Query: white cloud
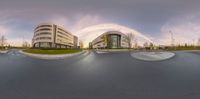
4	30
89	33
87	20
77	23
14	39
86	27
17	42
185	30
59	20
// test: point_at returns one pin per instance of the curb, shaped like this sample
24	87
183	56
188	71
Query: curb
51	57
144	57
4	52
114	50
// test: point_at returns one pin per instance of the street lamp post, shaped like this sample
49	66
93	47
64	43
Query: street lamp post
172	39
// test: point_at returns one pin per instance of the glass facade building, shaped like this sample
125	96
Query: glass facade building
114	41
110	40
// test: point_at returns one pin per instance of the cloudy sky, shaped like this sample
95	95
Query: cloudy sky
149	18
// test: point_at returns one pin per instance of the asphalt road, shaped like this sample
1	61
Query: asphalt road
100	76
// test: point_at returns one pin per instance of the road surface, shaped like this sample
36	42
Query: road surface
99	76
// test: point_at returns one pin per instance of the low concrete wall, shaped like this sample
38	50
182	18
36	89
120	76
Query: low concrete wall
52	57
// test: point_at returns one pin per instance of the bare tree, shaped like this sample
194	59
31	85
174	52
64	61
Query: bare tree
198	43
135	43
105	39
2	41
146	44
81	45
130	37
25	44
172	39
151	45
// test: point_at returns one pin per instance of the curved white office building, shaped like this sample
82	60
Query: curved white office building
111	39
53	36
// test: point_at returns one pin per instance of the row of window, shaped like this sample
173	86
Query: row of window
124	40
47	44
63	37
61	41
124	43
47	33
98	42
43	33
44	29
63	33
43	26
59	29
43	38
68	38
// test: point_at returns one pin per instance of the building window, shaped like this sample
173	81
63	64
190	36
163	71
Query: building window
45	44
43	26
114	41
43	33
43	38
44	29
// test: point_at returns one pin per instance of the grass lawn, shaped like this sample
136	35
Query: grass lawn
185	48
52	51
2	49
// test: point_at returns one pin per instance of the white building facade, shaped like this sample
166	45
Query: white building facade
49	35
111	39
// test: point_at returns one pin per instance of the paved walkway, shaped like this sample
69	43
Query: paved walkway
101	52
5	51
50	57
153	56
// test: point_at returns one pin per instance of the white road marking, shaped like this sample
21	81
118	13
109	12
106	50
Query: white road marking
15	54
101	52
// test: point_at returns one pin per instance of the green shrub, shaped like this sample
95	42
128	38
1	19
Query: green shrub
52	51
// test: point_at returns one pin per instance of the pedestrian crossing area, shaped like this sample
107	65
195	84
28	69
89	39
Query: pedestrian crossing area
15	53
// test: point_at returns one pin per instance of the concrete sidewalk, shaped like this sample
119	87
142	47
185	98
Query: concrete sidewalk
112	50
53	57
152	56
3	51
